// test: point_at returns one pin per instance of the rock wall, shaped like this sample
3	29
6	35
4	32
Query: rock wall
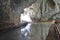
10	11
44	9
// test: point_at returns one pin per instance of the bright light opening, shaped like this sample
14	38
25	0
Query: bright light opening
26	18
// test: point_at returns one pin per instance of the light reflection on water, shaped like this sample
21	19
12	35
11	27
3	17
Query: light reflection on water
25	32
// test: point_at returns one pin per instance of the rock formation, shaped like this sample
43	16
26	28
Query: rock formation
10	11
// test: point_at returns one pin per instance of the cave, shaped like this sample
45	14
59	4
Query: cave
29	19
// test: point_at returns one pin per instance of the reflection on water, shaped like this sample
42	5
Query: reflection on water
25	32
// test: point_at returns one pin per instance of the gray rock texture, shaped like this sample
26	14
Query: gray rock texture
10	11
44	9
